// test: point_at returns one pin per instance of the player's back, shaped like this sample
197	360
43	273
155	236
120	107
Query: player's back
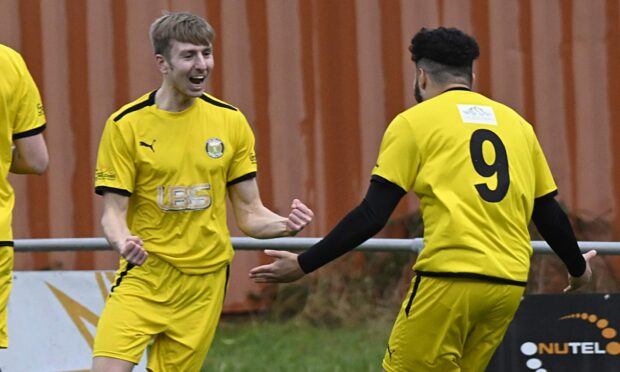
479	169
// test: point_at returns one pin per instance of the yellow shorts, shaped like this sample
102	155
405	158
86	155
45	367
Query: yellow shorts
450	324
6	279
157	303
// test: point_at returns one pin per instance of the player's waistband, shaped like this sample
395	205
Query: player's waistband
485	278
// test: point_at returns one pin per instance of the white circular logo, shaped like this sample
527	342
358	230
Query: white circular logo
533	363
215	148
529	348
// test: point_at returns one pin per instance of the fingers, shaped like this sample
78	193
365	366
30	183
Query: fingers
283	270
133	251
264	279
264	270
135	240
568	289
297	221
299	217
589	255
277	254
297	204
260	271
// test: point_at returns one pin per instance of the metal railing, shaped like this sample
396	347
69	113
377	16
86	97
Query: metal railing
290	244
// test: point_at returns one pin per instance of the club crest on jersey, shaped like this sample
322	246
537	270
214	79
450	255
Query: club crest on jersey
215	148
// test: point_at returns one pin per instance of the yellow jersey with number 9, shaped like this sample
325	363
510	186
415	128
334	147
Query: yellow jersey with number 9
477	167
175	168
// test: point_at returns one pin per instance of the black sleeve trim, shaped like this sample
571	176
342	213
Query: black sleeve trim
553	224
7	243
362	223
100	190
29	133
245	177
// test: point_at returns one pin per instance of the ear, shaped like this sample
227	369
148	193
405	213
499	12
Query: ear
422	79
162	64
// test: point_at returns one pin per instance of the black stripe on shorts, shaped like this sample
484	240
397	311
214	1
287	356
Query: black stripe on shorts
416	284
121	276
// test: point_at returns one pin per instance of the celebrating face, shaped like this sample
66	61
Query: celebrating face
187	67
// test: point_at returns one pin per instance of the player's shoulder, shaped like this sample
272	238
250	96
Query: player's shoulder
216	103
509	115
9	56
8	51
136	105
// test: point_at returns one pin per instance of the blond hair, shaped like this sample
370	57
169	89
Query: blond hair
182	26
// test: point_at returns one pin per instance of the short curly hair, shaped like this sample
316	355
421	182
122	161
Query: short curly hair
447	46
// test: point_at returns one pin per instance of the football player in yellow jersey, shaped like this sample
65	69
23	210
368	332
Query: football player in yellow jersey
22	150
480	175
165	165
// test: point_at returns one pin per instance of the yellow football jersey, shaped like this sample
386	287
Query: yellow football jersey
477	167
21	115
175	168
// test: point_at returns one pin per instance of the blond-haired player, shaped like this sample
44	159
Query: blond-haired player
166	163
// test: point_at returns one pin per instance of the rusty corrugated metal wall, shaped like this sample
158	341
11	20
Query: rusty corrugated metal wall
319	80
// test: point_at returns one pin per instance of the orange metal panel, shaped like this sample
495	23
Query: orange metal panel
319	81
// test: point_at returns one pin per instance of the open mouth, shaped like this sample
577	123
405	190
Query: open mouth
198	79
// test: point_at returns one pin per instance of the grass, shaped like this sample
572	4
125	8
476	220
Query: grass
293	345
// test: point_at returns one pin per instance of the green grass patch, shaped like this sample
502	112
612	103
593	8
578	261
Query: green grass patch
293	345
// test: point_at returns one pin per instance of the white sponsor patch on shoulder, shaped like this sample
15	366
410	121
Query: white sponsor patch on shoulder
477	114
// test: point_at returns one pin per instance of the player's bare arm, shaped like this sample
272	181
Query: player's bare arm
30	155
116	230
257	221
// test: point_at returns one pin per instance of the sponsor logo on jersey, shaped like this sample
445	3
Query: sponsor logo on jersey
148	145
103	174
184	198
215	148
476	114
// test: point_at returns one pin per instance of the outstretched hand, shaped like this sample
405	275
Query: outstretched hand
299	217
283	270
575	283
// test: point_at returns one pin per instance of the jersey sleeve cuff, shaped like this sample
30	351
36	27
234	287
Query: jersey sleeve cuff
29	133
100	190
245	177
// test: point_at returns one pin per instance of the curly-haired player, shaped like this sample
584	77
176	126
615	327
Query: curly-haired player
480	174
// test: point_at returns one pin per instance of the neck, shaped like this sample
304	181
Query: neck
170	99
455	86
435	90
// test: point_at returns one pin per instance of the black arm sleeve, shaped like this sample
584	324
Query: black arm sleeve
359	225
554	226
